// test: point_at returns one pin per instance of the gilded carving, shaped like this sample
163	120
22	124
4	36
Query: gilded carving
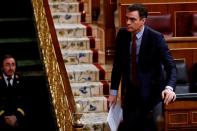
59	98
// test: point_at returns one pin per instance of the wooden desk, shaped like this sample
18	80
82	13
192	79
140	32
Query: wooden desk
181	115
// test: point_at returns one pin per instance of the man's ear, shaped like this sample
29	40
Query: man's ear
143	20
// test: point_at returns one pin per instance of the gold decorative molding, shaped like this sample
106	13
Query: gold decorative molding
56	85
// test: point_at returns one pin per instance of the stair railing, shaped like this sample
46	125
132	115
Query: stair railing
62	97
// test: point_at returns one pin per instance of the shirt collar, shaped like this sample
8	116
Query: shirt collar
12	77
140	33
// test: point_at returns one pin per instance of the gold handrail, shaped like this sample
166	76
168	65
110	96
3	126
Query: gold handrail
62	99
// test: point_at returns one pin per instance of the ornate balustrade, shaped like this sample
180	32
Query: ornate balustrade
62	98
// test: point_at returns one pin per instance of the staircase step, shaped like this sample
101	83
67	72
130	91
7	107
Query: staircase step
15	19
29	65
87	89
17	40
16	27
98	34
90	89
82	56
82	43
74	43
82	47
99	44
21	48
101	71
92	104
106	87
66	18
98	56
70	7
70	30
15	9
108	70
29	73
83	73
95	122
86	73
77	56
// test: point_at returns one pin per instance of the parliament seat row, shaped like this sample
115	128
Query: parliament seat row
164	23
194	25
182	77
181	114
183	83
184	86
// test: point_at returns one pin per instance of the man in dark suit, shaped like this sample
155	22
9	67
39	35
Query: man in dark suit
141	94
12	107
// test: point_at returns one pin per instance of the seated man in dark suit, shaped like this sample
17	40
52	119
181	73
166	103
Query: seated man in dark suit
12	107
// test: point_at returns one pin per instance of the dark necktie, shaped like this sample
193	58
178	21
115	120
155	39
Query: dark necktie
9	84
133	62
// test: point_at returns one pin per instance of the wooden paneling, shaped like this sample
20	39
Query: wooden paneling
179	9
106	9
182	105
165	7
109	9
186	54
181	114
181	47
183	22
178	118
184	48
195	57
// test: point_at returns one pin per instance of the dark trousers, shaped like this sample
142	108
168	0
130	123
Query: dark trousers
137	120
137	116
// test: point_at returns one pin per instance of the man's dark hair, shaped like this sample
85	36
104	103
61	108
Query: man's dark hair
143	12
6	57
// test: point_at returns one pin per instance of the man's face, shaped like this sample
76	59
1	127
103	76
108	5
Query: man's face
9	66
134	22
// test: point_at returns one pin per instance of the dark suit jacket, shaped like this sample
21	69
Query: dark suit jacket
12	101
153	54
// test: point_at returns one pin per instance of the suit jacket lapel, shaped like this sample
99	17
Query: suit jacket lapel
4	84
128	42
144	43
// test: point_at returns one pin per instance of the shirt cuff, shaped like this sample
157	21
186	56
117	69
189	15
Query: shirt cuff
169	87
113	92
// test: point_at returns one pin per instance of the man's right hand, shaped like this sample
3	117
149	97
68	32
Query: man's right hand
11	120
112	100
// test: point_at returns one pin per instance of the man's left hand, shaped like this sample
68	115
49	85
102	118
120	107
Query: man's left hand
168	96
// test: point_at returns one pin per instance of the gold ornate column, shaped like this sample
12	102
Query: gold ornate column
59	99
